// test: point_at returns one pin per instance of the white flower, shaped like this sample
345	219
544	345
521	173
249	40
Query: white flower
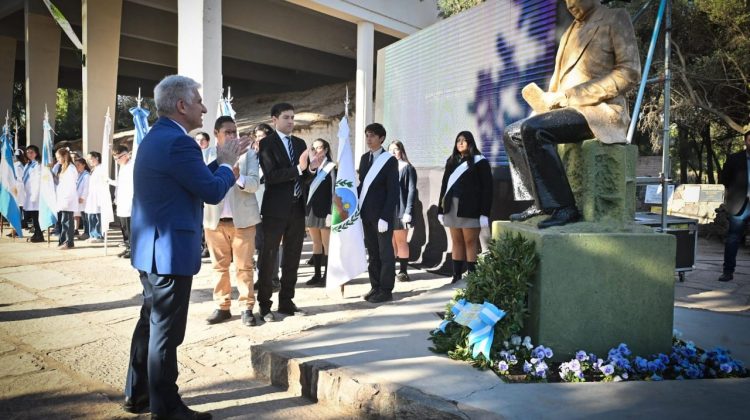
515	340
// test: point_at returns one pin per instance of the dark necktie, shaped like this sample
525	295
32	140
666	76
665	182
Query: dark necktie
297	185
369	165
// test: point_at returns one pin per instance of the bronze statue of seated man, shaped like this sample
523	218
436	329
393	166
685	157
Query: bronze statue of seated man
597	63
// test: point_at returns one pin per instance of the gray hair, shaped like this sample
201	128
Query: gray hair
170	90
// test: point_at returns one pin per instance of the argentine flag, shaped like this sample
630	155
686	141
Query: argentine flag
8	204
47	196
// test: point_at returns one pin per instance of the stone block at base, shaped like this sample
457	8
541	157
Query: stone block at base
595	288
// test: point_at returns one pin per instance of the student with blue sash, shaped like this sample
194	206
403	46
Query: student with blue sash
318	198
465	201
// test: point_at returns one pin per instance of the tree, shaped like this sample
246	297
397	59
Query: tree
447	8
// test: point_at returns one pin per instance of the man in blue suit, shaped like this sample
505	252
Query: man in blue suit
171	182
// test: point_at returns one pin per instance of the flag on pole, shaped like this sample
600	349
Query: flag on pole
225	104
140	119
9	206
101	182
63	23
47	196
346	255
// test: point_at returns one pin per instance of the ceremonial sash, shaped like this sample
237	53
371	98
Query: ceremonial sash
322	174
460	169
377	165
27	170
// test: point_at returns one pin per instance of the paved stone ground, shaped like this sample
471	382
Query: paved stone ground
66	318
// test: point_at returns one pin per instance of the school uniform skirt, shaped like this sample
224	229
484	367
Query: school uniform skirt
313	221
452	220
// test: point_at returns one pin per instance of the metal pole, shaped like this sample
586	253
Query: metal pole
666	165
646	68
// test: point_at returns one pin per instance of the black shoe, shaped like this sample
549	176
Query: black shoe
289	309
561	216
183	413
124	254
369	294
248	319
726	276
380	297
316	281
267	316
136	405
526	214
37	239
83	237
310	261
219	315
403	277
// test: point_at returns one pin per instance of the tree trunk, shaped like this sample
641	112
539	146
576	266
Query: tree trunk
706	135
683	149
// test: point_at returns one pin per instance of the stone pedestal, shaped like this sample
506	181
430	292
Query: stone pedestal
598	286
602	177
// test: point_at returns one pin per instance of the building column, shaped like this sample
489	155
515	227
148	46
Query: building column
42	37
363	101
7	73
101	47
199	52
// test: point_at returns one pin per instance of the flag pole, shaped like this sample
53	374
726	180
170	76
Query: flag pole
139	99
346	115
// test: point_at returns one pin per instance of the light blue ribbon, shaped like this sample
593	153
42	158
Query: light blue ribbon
456	309
483	329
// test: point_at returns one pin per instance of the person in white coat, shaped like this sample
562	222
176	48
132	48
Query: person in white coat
124	194
67	197
31	177
18	192
92	205
82	188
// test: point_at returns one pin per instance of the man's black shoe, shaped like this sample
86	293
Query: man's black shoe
248	319
125	253
380	297
403	277
369	294
183	413
726	276
136	405
289	309
526	214
219	315
37	239
561	216
267	316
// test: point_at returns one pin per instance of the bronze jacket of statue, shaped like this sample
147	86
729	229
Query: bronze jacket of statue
600	67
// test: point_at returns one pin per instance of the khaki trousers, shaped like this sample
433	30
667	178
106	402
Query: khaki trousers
225	244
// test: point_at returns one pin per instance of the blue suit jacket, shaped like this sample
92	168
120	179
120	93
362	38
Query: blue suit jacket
170	183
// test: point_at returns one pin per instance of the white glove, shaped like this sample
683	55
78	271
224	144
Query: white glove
484	221
328	220
382	225
440	219
406	218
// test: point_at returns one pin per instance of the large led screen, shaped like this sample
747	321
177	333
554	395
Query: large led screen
466	73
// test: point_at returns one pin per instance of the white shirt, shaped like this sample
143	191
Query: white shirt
286	139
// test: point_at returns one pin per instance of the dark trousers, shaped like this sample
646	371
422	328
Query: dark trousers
531	145
125	228
259	242
66	228
380	259
293	232
85	223
159	331
736	228
34	216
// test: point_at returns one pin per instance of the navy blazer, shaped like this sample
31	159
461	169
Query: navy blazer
407	182
473	189
734	178
320	202
382	196
170	184
279	174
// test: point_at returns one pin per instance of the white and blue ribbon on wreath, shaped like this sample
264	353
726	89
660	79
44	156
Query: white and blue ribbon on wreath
482	326
483	329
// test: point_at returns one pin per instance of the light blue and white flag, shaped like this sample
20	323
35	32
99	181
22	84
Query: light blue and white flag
225	104
346	256
9	206
47	196
101	182
140	119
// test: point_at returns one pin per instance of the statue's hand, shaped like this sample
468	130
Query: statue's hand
554	100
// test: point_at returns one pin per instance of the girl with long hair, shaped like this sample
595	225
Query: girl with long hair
319	196
407	182
67	197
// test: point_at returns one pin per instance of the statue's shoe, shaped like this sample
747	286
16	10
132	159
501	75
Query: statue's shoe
526	214
561	216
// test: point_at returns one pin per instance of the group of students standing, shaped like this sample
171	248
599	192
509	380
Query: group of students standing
283	188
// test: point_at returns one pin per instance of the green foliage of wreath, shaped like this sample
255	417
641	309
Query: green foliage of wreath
350	221
503	277
344	183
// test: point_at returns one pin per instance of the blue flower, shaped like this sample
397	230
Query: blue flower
623	349
574	365
527	367
726	367
664	358
502	366
641	364
607	370
581	356
548	352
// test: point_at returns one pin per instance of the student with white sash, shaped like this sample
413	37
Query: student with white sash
94	199
378	197
465	201
318	198
67	197
82	189
407	194
32	174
